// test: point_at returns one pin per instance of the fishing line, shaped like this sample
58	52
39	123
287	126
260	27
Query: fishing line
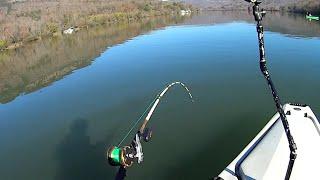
138	120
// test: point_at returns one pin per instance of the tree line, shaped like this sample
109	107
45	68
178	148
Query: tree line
29	20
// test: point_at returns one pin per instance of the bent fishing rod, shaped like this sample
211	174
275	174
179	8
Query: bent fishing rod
125	156
258	16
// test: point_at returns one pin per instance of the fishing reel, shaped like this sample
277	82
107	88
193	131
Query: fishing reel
125	156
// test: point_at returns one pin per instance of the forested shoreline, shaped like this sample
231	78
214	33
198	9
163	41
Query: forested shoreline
294	6
311	6
29	20
23	21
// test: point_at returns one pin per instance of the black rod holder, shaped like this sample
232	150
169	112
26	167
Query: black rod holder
258	16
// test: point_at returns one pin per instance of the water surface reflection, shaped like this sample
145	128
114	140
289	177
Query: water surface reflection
294	25
38	64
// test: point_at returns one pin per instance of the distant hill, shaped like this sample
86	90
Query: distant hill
287	5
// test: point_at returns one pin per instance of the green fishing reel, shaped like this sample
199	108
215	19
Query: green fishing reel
123	156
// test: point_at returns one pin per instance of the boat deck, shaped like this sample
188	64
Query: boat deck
267	155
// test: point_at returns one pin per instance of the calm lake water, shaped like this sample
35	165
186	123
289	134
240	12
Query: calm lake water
64	101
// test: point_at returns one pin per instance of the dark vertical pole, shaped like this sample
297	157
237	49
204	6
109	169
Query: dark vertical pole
122	173
258	15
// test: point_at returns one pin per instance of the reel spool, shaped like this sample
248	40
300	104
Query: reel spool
121	156
114	156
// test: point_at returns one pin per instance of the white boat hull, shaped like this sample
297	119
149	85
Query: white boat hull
267	155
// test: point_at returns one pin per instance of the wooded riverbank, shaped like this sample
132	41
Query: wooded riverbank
25	21
296	6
